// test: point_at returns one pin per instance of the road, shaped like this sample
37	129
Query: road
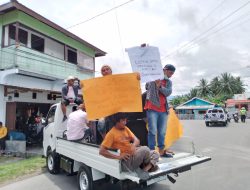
229	168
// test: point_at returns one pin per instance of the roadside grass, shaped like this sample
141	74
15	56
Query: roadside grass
20	168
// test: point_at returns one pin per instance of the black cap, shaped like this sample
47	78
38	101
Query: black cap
169	67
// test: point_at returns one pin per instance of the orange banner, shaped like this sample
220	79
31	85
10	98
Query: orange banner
174	129
107	95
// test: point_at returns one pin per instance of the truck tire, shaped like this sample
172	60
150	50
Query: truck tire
53	162
207	124
84	178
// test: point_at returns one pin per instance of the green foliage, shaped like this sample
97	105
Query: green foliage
217	91
19	168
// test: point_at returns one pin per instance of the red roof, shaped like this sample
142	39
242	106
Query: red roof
234	102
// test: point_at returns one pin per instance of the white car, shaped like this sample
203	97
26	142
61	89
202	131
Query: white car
216	116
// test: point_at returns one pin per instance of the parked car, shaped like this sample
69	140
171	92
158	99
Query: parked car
216	116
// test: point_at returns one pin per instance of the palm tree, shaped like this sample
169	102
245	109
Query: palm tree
193	93
203	88
215	85
228	84
239	86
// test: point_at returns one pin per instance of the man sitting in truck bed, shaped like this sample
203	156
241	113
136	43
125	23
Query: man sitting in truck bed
134	157
77	125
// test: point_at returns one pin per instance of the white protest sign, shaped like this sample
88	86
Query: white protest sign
146	61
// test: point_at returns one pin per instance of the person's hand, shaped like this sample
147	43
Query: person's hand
81	85
124	156
158	83
138	76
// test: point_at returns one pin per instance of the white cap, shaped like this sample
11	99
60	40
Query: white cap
70	78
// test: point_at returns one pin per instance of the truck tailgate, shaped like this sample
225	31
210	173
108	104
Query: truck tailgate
171	166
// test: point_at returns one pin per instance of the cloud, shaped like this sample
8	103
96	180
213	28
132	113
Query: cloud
165	24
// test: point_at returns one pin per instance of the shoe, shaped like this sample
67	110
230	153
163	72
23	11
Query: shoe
64	118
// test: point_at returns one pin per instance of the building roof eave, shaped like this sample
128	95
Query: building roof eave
15	5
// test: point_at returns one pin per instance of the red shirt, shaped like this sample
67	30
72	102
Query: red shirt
150	106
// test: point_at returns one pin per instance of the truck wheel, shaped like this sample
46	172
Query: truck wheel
52	162
84	178
207	124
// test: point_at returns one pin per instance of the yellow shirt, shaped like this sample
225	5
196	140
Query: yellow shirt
119	139
3	132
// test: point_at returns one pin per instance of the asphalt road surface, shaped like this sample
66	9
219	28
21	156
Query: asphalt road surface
229	168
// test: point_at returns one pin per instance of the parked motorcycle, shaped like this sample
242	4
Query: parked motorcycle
228	118
236	117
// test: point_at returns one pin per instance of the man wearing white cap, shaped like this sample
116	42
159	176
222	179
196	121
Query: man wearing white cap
69	95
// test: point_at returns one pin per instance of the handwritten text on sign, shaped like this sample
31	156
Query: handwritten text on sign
146	61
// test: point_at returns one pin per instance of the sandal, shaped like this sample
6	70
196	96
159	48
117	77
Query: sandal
167	155
154	168
169	152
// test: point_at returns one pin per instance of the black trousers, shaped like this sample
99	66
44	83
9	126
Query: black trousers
243	118
2	143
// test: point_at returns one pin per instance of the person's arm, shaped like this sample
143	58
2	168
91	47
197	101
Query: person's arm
166	91
136	141
64	92
104	152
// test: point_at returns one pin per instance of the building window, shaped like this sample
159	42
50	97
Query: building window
71	56
12	34
22	37
37	43
85	61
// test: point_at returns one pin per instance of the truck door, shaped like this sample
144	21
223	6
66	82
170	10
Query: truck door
49	137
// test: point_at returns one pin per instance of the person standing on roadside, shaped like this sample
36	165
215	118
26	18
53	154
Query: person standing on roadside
243	113
3	135
157	110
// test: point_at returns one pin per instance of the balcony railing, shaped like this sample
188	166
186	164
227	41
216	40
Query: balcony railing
32	61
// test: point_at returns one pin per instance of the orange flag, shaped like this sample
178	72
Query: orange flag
174	129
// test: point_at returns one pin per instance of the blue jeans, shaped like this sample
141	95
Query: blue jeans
156	123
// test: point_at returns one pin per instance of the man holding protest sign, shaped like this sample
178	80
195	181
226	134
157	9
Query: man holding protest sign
157	109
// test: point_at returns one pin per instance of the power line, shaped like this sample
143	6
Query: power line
119	34
212	11
205	32
190	46
100	14
89	19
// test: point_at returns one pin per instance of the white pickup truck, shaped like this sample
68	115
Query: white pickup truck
92	168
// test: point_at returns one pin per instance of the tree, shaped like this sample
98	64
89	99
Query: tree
230	85
215	85
177	100
193	93
203	88
217	91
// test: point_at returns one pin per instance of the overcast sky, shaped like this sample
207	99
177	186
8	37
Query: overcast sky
218	29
